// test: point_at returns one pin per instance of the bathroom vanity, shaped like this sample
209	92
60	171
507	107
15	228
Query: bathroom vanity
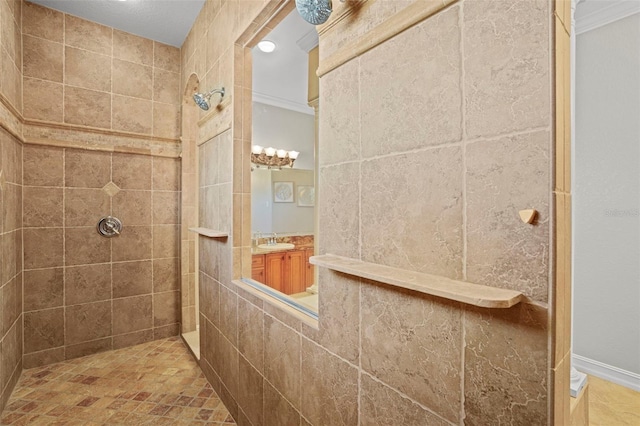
287	271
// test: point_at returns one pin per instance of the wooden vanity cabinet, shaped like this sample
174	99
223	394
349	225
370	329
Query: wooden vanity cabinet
309	271
283	271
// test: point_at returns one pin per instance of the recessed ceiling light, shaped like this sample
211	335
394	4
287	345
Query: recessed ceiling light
267	46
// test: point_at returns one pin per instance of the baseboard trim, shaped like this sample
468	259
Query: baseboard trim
607	372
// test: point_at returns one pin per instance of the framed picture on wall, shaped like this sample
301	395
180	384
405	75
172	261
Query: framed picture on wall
306	195
283	192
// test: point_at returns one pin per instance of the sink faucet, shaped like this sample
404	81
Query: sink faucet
272	240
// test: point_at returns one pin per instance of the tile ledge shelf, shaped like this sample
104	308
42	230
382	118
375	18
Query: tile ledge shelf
211	233
469	293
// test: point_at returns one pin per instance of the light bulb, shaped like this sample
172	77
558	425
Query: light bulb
270	151
267	46
256	149
282	153
293	154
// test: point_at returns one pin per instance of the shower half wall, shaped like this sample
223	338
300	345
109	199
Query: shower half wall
85	293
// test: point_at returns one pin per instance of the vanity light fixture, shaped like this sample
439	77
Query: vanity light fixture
272	157
267	46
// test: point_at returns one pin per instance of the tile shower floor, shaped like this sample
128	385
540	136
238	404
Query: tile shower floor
155	383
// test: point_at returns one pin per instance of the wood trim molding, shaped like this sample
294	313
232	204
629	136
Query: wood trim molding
406	18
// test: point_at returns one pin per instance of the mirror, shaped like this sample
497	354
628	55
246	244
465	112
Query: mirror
283	162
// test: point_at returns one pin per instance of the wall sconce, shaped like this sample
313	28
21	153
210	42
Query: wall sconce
272	157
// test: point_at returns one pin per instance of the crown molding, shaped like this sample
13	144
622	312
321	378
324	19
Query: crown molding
282	103
606	13
308	41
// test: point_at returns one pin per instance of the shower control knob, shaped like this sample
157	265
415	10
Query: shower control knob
109	226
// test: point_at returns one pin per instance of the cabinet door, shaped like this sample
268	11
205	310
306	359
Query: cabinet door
310	271
257	267
257	274
274	270
295	278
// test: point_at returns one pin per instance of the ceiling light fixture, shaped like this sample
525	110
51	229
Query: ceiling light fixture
267	46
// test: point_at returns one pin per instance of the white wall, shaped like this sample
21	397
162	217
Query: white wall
606	204
285	129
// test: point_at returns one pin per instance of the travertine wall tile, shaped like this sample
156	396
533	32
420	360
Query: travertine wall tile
412	211
89	283
250	392
43	166
507	72
87	107
131	79
132	48
42	207
87	35
338	210
84	207
132	207
132	314
131	171
251	333
132	114
410	324
131	279
413	100
505	350
42	59
43	288
282	348
87	322
278	411
340	125
332	379
505	176
42	99
380	404
42	22
86	69
43	329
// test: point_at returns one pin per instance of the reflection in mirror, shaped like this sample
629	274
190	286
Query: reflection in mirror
283	163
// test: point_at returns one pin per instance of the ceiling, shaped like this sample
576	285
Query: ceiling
166	21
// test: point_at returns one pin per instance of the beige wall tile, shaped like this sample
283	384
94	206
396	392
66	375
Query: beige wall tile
132	48
133	243
282	359
250	333
166	207
131	339
132	279
339	324
229	315
132	314
209	292
11	304
250	391
42	100
42	59
166	308
381	405
166	275
50	356
10	80
42	248
338	210
277	410
42	207
11	217
85	207
340	124
86	322
228	369
166	120
132	114
166	241
412	214
166	86
408	323
42	22
87	169
86	69
338	378
413	100
166	57
43	166
133	208
84	245
87	35
87	107
131	171
507	79
166	174
131	79
506	365
43	289
503	177
88	348
43	329
90	283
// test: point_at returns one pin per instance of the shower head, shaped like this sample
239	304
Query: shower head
202	100
315	12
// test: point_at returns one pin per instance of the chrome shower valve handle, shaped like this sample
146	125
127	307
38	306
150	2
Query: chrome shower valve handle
109	226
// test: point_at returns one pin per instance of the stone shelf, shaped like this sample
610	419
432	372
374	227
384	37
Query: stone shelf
460	291
211	233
